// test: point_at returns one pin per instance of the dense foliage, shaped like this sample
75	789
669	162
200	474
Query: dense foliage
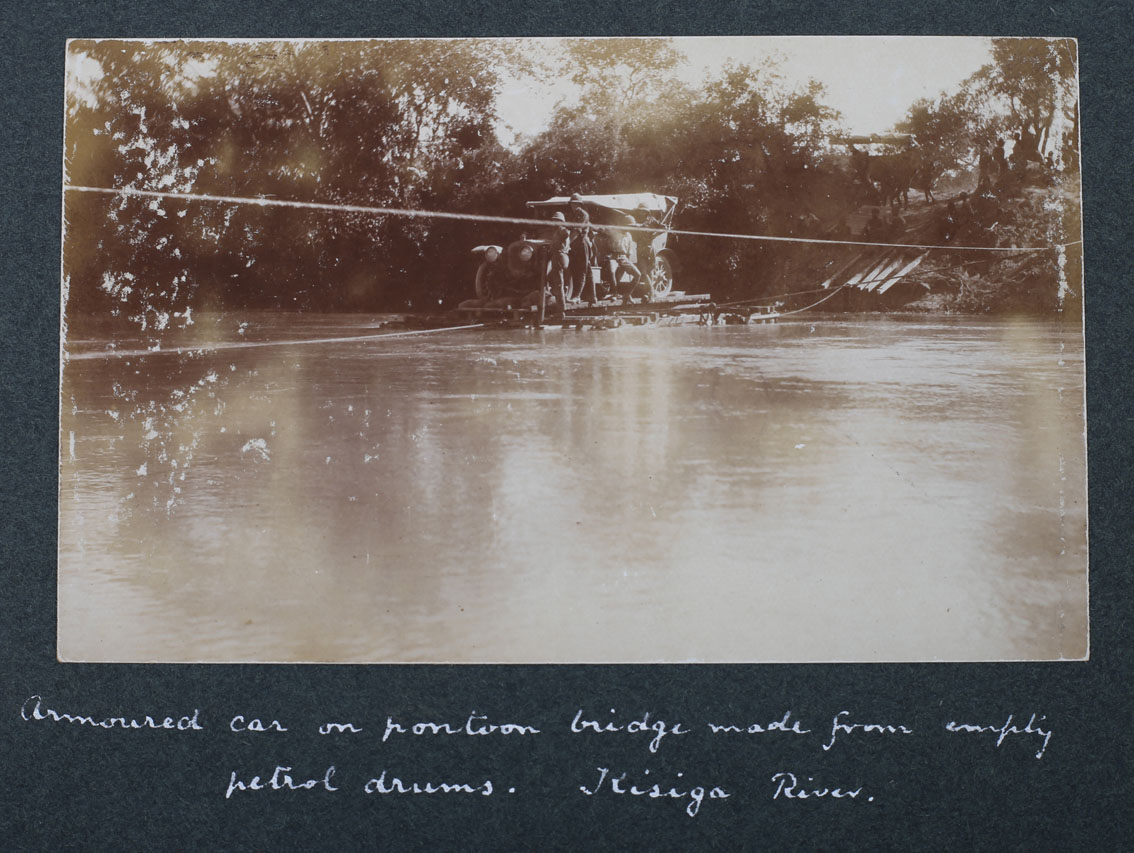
413	125
1027	94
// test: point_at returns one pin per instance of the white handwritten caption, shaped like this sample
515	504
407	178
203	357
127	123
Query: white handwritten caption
626	785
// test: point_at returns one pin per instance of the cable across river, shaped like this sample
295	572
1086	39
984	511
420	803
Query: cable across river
514	220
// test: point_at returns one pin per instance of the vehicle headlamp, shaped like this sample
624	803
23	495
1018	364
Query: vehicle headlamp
526	253
491	253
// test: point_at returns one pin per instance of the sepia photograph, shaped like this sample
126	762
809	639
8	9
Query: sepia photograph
572	350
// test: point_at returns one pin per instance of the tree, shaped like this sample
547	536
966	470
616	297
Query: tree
620	74
392	124
1030	88
942	129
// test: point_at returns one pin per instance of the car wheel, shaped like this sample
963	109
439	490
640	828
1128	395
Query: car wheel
485	287
661	277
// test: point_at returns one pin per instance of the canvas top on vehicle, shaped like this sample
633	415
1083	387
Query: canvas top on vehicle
661	206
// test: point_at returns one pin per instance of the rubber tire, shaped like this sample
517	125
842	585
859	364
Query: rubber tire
482	289
665	285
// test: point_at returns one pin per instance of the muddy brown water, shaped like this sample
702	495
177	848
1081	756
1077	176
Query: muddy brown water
822	489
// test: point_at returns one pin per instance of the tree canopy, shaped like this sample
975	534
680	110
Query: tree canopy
414	124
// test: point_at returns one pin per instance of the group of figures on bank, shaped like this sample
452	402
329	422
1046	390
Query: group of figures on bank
953	220
1005	168
887	178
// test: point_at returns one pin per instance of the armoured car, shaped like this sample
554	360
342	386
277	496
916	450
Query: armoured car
536	265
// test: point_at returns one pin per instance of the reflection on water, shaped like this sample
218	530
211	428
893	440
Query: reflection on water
832	489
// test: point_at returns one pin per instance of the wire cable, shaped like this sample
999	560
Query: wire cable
224	345
513	220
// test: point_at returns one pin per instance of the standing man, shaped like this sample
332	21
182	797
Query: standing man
1000	155
985	171
581	252
559	236
644	240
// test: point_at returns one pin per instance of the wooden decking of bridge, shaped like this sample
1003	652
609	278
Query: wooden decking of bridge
674	309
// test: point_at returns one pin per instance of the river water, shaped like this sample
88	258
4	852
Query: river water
824	489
